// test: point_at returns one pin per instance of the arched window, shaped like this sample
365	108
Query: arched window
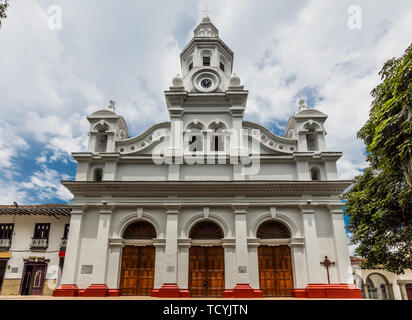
206	230
312	140
195	137
372	292
272	230
315	174
98	174
140	230
217	137
101	137
206	58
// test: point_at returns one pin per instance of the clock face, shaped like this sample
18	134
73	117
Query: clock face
206	83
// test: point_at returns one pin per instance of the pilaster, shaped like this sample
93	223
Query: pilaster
68	287
242	288
343	265
311	243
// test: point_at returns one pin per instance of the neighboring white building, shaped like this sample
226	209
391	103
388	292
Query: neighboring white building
380	284
207	205
32	248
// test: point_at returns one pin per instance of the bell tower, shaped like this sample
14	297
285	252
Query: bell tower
206	103
206	62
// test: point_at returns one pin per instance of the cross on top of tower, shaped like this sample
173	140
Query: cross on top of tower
206	11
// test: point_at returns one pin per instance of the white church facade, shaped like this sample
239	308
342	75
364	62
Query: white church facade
207	204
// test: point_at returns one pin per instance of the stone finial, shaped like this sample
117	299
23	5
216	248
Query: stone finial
177	83
235	82
302	105
112	106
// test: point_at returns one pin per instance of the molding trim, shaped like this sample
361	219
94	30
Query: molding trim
206	188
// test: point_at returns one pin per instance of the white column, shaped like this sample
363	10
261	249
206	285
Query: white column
254	264
311	244
115	259
230	264
242	254
101	248
71	259
183	265
343	265
170	255
160	250
297	249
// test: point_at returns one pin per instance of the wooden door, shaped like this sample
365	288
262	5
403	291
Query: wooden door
38	278
408	288
275	271
3	264
138	268
206	272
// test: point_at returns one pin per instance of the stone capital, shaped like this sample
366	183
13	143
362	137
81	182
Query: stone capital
106	209
307	208
336	208
172	208
78	210
240	208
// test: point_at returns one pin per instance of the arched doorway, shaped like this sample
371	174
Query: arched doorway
378	287
206	261
138	261
275	263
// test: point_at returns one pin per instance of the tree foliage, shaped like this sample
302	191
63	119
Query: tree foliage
3	7
380	201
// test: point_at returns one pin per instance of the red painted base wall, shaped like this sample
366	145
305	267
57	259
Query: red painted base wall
170	290
329	291
242	291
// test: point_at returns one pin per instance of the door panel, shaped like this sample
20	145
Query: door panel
206	272
38	275
275	271
138	267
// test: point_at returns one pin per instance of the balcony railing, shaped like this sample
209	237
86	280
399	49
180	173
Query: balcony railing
5	243
39	243
63	243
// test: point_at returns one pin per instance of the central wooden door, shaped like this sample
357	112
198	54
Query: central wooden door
138	268
206	272
275	271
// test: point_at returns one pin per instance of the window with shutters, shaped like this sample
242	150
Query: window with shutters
6	230
41	231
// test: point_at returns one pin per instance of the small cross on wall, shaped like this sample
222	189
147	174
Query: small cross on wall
327	263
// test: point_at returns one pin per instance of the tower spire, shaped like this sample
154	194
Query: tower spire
206	10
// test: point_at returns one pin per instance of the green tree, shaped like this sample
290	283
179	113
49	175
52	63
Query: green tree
3	7
379	202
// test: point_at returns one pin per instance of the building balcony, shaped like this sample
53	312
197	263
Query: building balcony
39	244
5	244
63	244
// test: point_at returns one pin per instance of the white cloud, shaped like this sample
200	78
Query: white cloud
46	184
12	192
11	146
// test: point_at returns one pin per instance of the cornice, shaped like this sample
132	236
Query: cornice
209	188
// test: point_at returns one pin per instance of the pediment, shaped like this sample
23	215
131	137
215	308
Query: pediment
310	113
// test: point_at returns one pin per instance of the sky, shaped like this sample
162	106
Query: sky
54	74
